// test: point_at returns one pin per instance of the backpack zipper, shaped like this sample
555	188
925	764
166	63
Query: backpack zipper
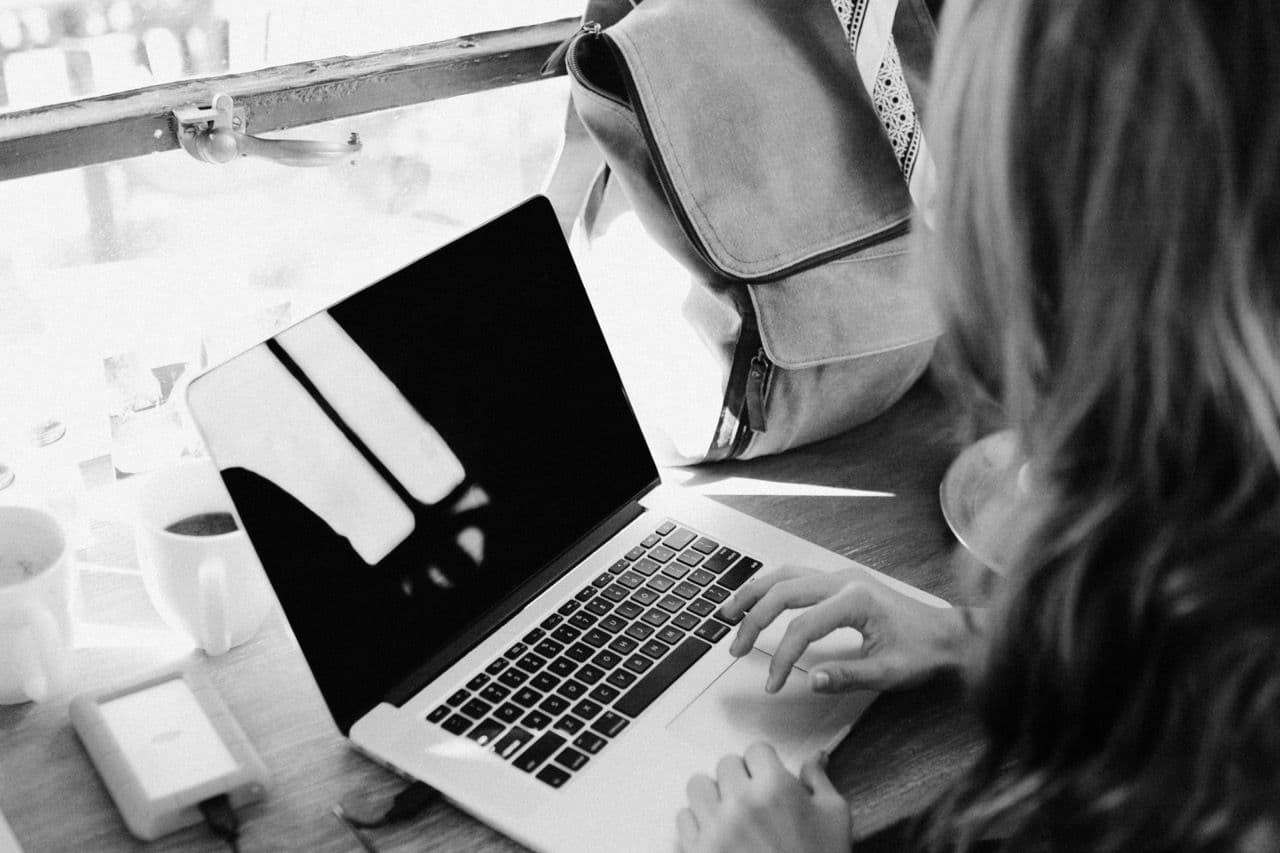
562	49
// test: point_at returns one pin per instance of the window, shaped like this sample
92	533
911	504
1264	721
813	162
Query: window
126	265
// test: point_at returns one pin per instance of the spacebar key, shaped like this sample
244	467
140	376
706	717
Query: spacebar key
661	676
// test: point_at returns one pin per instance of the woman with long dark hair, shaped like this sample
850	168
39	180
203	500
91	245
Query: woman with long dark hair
1107	259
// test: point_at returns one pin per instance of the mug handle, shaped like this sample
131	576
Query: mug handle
41	678
215	625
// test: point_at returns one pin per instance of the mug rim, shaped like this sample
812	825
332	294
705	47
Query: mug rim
46	574
184	468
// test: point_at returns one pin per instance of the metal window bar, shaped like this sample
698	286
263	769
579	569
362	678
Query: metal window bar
130	124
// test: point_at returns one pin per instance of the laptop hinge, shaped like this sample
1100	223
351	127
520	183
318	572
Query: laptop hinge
501	613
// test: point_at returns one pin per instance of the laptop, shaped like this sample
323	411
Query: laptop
495	592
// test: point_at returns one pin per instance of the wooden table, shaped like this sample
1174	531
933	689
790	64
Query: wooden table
900	755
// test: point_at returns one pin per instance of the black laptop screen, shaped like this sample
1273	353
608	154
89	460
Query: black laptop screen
405	460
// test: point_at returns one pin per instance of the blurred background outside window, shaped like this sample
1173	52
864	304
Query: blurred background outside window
120	281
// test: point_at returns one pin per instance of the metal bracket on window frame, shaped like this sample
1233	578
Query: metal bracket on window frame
216	134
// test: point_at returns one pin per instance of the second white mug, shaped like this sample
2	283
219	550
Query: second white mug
198	565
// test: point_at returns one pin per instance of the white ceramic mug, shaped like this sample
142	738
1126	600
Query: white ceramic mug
35	605
211	587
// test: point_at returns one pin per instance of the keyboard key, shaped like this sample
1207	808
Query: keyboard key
535	720
701	607
566	633
650	540
630	580
666	527
477	682
610	724
679	539
544	681
615	593
638	664
485	733
654	649
582	620
606	659
571	758
497	666
569	724
685	621
676	570
532	662
494	693
548	648
619	567
533	636
641	631
711	630
623	645
705	546
645	567
476	708
716	594
586	593
628	610
568	607
685	590
652	685
644	596
512	742
508	713
553	775
621	678
562	667
580	652
701	577
737	576
671	635
457	698
541	749
515	651
438	714
589	674
590	741
554	705
690	557
661	554
526	697
596	637
604	694
602	581
552	621
599	606
457	724
635	553
613	623
587	710
571	689
661	583
669	603
722	560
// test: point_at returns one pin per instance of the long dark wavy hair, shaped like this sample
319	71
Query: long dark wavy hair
1107	254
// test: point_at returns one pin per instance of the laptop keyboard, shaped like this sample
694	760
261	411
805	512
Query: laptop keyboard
556	698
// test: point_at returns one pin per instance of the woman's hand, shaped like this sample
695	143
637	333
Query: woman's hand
904	641
754	805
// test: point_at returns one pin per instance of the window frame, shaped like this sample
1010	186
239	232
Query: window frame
116	126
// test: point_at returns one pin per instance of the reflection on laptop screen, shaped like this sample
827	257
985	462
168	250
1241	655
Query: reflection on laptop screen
404	460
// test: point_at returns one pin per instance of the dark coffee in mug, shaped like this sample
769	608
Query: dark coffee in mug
203	524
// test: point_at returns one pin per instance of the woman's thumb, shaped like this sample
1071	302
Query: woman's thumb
865	674
813	773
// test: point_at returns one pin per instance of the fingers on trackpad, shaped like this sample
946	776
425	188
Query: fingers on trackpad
734	711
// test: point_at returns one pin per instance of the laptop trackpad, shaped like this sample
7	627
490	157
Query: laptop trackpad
734	712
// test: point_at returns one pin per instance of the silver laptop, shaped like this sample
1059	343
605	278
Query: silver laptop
497	596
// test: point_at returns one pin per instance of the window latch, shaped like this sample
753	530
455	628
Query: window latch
216	134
